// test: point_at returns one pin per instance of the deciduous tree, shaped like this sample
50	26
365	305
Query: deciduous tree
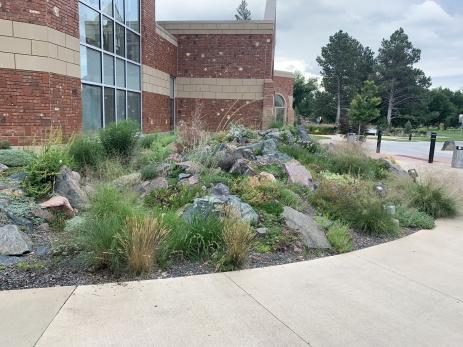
364	108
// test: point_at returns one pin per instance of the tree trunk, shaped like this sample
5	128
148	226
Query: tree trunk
338	111
389	108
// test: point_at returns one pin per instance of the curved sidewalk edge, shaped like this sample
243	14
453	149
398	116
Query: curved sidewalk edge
405	293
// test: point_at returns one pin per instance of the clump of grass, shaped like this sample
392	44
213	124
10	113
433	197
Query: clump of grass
140	242
412	218
274	169
238	238
5	144
147	141
86	152
119	139
172	198
110	169
15	158
339	237
149	172
432	198
42	171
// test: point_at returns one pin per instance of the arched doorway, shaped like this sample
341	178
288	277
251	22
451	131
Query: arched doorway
280	109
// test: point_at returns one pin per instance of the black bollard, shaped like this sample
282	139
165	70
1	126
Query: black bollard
378	145
410	137
432	149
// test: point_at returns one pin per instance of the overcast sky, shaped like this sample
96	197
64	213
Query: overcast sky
304	26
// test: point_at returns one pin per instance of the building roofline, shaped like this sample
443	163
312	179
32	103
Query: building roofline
219	27
287	74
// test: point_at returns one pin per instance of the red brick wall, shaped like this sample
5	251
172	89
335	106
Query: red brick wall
41	12
285	87
225	56
217	114
165	56
31	103
156	116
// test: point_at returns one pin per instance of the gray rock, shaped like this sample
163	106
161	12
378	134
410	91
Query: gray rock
298	174
216	205
269	147
67	184
18	177
13	241
229	155
220	190
74	224
280	135
8	261
184	176
3	167
302	133
43	214
270	159
145	188
314	237
189	167
190	181
261	231
164	169
42	251
449	146
18	220
243	167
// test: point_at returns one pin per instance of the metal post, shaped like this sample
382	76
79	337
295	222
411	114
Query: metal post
410	137
432	149
378	145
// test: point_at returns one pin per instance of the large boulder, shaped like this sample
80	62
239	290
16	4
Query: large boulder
145	188
277	158
13	241
229	155
298	174
269	147
217	204
314	237
449	146
58	202
302	134
3	167
67	184
243	167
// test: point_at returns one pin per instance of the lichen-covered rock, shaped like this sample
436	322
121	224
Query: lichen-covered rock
298	174
145	188
243	167
314	237
67	184
13	241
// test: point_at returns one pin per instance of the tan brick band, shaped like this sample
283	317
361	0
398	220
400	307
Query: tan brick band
32	47
284	74
155	81
220	88
219	28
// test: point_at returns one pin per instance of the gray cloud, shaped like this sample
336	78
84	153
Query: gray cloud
304	27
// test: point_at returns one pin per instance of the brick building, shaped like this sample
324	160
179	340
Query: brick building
82	64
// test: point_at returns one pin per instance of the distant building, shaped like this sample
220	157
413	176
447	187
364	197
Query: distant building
80	65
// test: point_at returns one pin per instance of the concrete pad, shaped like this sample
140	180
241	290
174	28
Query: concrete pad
197	311
347	301
25	314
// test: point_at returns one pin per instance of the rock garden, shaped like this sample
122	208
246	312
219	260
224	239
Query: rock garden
119	206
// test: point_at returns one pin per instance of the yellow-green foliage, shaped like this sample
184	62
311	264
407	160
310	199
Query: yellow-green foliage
339	238
238	238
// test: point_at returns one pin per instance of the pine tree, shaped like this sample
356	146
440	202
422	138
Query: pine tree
243	11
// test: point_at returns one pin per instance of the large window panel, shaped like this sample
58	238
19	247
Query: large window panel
90	65
119	13
132	14
89	26
134	106
120	73
133	76
108	34
120	105
94	3
91	107
108	64
109	106
120	40
107	7
133	46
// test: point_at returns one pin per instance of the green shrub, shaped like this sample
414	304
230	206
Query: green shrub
110	169
433	199
146	141
272	207
5	144
86	152
327	129
42	171
119	139
15	158
102	231
339	237
412	218
172	198
149	172
276	170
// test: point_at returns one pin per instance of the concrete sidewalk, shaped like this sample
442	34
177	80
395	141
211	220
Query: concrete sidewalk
405	293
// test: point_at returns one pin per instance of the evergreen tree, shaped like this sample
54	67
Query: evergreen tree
364	108
401	83
243	13
345	65
304	94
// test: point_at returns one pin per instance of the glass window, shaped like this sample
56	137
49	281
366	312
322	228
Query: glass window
91	107
279	101
94	3
280	109
134	106
107	7
119	10
133	46
108	34
108	66
109	106
120	105
132	15
120	73
89	26
90	65
133	76
172	87
120	40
